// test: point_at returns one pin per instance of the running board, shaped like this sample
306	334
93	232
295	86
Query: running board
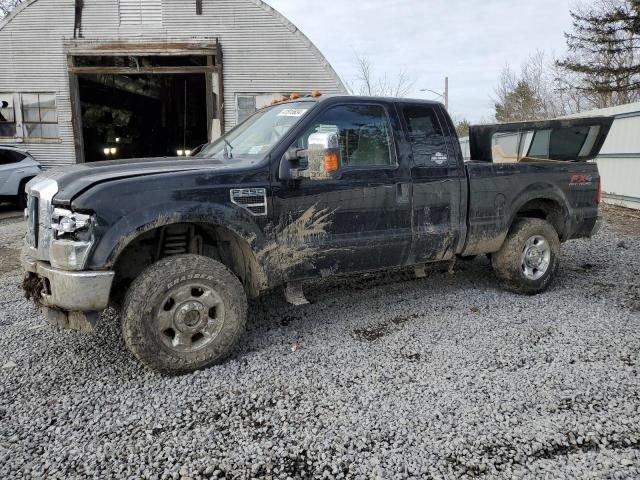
294	294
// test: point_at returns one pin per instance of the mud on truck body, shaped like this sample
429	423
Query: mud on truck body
308	188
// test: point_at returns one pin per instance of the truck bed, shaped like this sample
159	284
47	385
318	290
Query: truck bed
497	191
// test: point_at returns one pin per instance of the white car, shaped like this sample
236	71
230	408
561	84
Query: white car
17	167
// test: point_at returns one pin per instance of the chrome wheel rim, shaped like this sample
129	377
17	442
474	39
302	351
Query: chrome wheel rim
189	317
536	257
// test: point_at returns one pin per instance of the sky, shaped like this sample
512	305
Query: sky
470	41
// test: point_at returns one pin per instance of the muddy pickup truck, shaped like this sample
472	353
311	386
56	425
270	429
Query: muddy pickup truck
307	188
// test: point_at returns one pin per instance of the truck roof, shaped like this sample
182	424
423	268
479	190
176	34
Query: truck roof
363	98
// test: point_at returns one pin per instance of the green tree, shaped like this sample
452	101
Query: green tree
528	94
604	52
519	104
462	128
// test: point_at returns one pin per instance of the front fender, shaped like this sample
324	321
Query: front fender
113	239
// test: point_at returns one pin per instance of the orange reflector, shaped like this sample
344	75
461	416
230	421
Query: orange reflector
316	93
331	163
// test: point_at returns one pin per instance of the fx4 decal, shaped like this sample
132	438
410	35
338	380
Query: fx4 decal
581	180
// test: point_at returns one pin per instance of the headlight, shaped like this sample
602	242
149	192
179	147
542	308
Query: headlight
72	239
65	221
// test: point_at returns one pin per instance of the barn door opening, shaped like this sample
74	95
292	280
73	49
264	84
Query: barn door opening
153	103
133	116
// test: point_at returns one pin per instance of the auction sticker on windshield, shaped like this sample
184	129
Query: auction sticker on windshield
258	149
292	112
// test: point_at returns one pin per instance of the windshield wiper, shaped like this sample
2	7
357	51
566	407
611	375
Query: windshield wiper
228	149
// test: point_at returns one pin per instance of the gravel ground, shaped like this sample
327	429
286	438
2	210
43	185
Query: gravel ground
382	376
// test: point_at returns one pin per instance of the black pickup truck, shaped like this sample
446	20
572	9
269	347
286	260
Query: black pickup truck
311	187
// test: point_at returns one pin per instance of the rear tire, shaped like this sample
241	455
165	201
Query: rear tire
184	313
529	257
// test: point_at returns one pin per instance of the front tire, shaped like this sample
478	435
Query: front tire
529	257
184	313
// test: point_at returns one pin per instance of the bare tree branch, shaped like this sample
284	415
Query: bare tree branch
366	83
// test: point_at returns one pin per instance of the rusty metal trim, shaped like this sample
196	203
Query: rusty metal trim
155	48
141	70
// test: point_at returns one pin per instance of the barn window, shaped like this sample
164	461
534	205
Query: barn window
7	116
140	12
39	115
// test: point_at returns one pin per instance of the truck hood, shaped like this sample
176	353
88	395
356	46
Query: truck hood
75	179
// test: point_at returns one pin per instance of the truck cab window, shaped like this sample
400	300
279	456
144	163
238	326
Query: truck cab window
426	136
364	132
7	116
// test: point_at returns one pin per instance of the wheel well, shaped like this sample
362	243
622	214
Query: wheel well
23	183
211	241
545	209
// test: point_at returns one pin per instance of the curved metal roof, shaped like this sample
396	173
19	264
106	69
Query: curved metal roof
259	3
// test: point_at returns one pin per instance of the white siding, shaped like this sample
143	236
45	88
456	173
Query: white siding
619	159
138	12
263	52
32	59
619	162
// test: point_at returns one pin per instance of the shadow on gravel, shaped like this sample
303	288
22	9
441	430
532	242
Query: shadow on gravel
9	260
330	297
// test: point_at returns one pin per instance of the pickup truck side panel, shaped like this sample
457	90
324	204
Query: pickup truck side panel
430	206
437	173
161	200
358	222
497	192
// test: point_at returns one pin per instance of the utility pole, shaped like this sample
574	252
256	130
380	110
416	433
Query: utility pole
444	96
446	93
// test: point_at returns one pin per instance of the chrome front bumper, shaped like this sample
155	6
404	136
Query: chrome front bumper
70	291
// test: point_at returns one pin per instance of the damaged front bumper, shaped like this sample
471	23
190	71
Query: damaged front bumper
70	300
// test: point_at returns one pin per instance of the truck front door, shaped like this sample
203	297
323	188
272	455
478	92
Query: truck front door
437	173
360	221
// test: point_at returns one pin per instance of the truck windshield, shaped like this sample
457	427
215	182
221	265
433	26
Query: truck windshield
253	138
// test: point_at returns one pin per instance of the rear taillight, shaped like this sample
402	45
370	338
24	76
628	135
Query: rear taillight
599	196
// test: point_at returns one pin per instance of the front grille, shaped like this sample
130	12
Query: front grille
32	221
252	199
39	232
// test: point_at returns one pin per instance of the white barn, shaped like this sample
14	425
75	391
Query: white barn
90	80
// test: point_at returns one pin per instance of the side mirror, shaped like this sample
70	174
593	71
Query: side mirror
323	156
322	159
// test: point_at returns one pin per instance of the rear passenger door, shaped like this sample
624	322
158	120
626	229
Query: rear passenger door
437	173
